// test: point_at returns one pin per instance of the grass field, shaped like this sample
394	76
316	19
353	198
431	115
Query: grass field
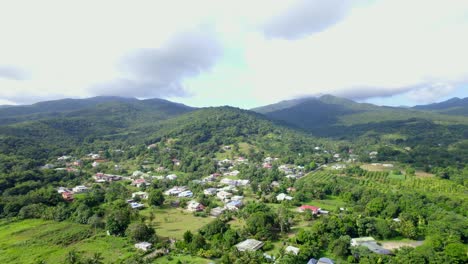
173	222
51	241
184	259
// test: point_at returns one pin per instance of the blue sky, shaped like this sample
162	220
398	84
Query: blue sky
240	53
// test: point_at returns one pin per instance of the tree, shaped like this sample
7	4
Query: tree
188	236
340	246
156	197
140	232
117	222
73	257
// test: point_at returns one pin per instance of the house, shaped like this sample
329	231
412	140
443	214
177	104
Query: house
292	250
233	173
283	196
371	244
145	246
242	182
175	190
228	181
137	174
267	165
223	195
339	166
152	146
141	195
101	177
135	205
194	206
47	167
314	209
64	158
217	211
320	261
187	194
139	182
234	205
237	198
62	190
158	177
95	164
176	162
171	177
210	191
249	245
80	189
227	147
67	196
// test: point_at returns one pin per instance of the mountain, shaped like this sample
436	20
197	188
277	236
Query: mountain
453	106
104	107
325	114
52	128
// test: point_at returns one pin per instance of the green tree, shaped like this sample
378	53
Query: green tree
140	232
117	222
156	197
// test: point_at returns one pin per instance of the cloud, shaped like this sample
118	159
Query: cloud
12	73
160	72
431	92
306	17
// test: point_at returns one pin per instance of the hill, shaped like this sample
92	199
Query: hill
454	106
90	107
325	114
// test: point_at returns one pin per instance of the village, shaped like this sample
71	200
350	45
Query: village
227	191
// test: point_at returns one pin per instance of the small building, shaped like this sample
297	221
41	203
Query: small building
141	195
223	195
171	177
145	246
186	194
67	196
139	182
217	211
80	189
210	191
249	245
194	206
292	250
176	190
234	205
135	205
314	209
283	196
371	244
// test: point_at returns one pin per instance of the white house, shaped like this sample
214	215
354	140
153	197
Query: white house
141	195
80	189
185	194
292	250
283	196
171	177
223	195
210	191
194	206
145	246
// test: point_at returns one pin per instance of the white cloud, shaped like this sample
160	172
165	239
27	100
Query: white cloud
254	51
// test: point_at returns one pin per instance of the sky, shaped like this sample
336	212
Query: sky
241	53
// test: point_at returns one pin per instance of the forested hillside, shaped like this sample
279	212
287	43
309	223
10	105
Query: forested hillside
85	183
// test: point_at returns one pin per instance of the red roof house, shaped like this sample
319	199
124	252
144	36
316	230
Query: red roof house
314	209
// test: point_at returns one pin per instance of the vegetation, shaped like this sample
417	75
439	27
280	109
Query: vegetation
376	172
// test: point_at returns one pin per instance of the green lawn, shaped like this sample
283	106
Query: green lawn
184	259
173	222
51	241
